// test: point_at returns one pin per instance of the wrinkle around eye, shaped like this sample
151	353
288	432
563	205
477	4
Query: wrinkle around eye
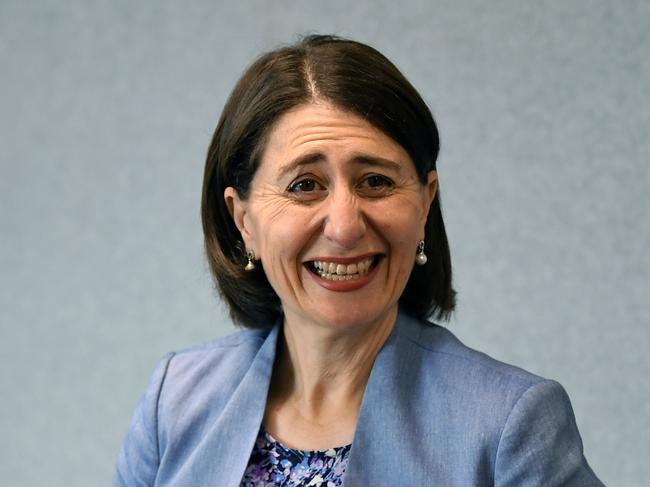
272	201
306	196
273	204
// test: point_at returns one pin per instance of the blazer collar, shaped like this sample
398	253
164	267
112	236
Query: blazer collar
382	411
386	411
233	435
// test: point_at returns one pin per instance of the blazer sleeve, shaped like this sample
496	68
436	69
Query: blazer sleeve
540	444
139	457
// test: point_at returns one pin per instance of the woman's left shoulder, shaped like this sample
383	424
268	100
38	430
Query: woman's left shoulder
443	355
523	423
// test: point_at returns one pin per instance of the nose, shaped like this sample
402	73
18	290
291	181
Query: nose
345	222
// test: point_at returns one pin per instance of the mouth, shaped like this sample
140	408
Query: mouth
337	271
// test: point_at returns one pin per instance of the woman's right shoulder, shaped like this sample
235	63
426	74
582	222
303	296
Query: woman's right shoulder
187	391
206	373
222	357
233	340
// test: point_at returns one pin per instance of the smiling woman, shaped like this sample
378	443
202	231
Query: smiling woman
349	199
323	229
335	75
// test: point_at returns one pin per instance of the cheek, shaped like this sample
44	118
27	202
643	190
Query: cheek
281	242
401	220
283	229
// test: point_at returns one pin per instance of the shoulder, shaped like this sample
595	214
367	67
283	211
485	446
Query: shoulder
198	383
440	349
523	423
219	364
230	341
241	342
459	380
186	394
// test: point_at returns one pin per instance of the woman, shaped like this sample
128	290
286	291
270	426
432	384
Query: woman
323	229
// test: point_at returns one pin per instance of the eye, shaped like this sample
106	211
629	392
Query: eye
303	186
375	185
306	189
377	181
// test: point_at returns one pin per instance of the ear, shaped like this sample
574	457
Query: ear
238	209
429	193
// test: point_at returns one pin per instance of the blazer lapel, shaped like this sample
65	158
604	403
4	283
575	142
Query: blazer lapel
233	434
383	440
383	436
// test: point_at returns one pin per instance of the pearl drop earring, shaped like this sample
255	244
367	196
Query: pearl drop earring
420	256
250	255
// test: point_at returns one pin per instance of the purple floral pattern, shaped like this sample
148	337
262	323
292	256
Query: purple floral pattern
273	464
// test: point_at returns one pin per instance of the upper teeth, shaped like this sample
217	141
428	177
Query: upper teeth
333	268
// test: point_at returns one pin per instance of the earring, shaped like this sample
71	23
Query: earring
420	256
250	255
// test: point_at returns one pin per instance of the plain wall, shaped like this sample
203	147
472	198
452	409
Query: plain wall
106	111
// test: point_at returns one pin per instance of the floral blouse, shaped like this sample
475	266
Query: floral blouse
273	464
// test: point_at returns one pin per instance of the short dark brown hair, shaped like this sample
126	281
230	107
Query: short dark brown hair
351	76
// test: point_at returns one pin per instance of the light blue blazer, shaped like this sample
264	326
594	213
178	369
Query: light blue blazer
434	413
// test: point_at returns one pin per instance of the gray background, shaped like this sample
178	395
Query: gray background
106	111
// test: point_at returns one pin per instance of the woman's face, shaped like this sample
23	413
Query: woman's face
335	212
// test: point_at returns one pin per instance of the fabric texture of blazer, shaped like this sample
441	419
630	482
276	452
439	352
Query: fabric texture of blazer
434	413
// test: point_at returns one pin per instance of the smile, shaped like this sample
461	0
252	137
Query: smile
333	271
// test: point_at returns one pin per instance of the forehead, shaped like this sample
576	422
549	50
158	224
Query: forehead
325	128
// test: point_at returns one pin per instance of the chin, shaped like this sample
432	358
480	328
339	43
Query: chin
346	319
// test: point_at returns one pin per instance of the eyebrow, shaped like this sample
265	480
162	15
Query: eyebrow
359	159
366	160
303	160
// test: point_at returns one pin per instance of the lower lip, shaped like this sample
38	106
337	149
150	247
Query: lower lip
344	286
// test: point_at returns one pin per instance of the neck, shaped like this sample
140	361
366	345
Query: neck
322	372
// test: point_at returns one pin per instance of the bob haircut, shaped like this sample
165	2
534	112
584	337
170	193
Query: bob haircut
353	77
